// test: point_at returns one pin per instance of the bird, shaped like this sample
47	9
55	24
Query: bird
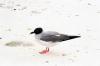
50	38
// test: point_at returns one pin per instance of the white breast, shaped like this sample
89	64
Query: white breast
44	43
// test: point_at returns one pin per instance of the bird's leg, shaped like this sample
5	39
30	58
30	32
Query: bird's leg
44	51
47	49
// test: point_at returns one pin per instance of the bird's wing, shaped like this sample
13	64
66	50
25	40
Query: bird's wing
54	37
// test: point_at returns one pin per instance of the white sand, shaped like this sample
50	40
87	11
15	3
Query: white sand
76	17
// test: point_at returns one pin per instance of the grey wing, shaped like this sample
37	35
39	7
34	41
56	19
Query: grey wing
54	38
50	33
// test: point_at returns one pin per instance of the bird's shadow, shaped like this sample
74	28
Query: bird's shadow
18	43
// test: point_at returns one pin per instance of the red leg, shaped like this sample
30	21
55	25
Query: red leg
44	51
47	49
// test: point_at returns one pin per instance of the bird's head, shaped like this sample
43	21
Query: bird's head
37	30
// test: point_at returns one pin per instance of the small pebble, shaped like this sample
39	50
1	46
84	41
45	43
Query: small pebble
89	4
63	54
14	9
33	55
77	50
76	15
36	12
46	61
8	29
18	5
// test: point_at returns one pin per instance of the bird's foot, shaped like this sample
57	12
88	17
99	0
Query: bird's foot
44	52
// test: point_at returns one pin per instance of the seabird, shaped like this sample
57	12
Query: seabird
50	38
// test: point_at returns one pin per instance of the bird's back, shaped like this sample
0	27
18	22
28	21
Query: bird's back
52	36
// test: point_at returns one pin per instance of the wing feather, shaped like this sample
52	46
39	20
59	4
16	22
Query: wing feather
54	38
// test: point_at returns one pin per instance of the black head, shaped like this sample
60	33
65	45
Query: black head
37	31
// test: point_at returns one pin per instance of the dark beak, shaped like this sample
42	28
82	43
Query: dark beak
72	37
31	32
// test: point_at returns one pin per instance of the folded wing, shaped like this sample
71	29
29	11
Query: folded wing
57	38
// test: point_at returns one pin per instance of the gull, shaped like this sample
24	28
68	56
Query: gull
50	38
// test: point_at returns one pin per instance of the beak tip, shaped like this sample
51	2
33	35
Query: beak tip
31	32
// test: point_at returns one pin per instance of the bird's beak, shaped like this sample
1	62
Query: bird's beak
31	32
